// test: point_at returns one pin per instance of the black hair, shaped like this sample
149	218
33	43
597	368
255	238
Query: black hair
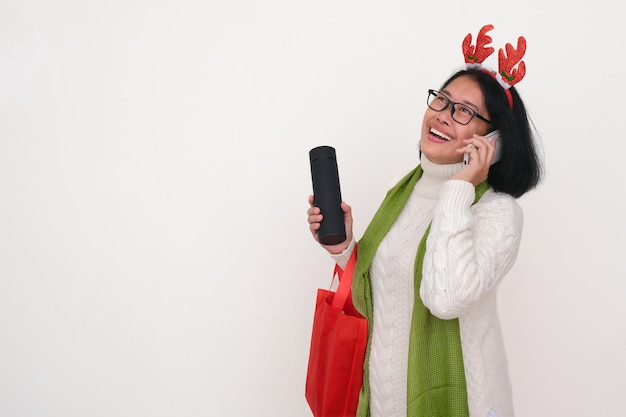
519	169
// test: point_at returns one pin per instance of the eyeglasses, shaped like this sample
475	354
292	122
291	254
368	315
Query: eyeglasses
460	112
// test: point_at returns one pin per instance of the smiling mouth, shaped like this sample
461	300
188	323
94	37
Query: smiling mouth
440	135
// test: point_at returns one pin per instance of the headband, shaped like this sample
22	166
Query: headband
507	76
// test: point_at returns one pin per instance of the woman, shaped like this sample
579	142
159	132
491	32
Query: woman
430	260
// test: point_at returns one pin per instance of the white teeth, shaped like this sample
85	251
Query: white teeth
441	135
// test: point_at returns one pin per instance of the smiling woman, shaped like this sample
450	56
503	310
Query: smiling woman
432	257
442	131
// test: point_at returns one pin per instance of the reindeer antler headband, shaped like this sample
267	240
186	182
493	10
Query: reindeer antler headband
507	76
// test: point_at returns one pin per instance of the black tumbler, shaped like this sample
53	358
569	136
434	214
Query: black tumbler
327	194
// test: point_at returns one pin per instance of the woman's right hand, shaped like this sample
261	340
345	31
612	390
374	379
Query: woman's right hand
315	217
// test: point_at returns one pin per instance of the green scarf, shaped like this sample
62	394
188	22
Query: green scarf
436	375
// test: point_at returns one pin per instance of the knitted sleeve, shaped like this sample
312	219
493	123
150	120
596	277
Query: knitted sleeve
469	248
342	258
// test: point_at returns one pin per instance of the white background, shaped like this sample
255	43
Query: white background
154	254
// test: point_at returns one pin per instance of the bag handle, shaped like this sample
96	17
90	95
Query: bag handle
345	280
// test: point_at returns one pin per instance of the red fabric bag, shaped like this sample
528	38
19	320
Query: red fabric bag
338	341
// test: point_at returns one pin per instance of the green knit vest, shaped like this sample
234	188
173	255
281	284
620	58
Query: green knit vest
436	376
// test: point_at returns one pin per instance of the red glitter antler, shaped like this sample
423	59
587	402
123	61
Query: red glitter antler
510	75
476	55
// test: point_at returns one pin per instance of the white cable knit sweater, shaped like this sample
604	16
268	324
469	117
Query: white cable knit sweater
469	248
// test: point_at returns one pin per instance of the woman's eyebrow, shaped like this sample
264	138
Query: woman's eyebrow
468	103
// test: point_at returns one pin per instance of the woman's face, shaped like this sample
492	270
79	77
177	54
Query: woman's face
441	135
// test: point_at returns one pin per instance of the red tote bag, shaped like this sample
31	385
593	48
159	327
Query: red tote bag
338	342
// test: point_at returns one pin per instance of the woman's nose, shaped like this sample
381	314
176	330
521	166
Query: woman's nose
444	117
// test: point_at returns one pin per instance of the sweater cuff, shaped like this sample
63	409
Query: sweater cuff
455	194
342	258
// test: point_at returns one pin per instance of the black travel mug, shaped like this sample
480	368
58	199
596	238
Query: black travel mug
327	194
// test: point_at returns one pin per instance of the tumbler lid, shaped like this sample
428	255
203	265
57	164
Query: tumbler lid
322	152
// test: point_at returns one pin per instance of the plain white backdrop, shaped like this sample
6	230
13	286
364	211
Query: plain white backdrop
154	254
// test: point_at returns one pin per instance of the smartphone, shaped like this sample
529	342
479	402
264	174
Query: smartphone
495	135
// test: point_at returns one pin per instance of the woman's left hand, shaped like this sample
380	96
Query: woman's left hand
481	153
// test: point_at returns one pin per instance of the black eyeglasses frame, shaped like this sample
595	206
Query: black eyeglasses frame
449	102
